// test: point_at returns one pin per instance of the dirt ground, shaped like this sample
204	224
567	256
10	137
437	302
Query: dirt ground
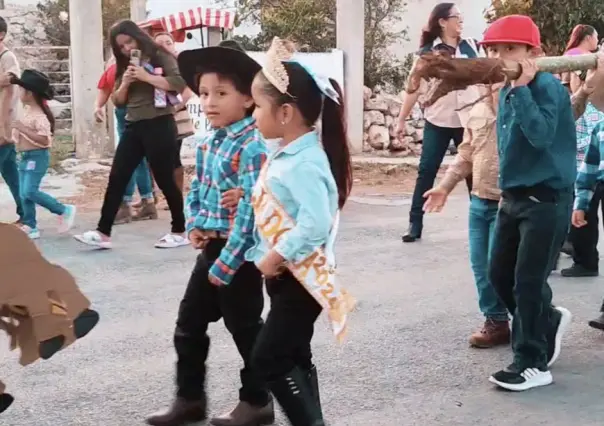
369	180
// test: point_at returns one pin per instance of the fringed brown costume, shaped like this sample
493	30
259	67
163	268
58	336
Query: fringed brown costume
41	308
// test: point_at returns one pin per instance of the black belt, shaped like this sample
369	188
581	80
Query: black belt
539	193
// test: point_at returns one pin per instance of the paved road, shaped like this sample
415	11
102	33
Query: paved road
406	362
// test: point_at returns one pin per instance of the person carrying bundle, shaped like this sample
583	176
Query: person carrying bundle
537	148
41	308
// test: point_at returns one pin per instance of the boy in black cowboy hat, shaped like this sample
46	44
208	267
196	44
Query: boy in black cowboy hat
222	283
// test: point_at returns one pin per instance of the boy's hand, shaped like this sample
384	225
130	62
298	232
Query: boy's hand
595	78
529	69
435	199
578	219
198	239
230	199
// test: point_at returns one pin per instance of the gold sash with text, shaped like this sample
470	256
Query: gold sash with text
315	272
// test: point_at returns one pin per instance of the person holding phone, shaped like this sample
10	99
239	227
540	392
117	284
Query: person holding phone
147	83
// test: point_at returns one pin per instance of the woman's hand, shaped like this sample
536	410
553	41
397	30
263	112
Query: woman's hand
271	264
137	73
99	114
400	128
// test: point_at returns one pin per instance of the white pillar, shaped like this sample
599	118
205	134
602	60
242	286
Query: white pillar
214	36
351	40
138	10
86	28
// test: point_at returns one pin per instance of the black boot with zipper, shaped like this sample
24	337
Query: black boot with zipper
297	399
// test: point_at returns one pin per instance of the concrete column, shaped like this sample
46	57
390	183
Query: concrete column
138	10
86	27
214	36
351	40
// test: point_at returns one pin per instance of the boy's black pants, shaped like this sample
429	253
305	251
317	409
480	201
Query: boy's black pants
585	239
240	304
532	224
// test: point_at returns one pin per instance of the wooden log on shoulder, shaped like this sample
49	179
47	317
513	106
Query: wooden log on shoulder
461	73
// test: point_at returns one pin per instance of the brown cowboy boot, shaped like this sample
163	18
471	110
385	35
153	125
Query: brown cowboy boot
181	413
245	414
147	211
124	214
493	333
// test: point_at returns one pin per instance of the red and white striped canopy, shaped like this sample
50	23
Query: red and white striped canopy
200	17
178	23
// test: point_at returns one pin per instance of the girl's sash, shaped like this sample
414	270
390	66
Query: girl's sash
316	272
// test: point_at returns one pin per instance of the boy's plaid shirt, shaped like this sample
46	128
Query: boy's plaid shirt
585	127
226	159
591	169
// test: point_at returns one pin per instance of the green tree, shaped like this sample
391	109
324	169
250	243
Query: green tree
555	18
312	25
57	28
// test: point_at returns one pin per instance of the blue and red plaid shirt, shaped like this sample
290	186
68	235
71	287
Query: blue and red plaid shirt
227	158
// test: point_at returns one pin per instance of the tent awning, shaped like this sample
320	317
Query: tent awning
178	23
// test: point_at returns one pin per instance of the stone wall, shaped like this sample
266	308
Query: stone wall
380	124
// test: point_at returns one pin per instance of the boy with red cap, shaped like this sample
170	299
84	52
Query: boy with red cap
537	148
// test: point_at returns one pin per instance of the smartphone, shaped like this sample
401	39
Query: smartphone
135	57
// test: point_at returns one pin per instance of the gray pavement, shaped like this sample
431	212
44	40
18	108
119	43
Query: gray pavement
406	361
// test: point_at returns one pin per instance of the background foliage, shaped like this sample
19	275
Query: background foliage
555	18
312	25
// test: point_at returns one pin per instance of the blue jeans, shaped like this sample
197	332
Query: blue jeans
10	173
434	147
141	177
483	215
32	168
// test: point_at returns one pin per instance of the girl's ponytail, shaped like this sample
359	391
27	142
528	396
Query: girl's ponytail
43	104
335	143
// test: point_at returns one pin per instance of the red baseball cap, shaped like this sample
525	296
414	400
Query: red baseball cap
517	29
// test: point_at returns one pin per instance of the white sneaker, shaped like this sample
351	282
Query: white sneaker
172	241
94	239
67	219
32	233
525	380
565	319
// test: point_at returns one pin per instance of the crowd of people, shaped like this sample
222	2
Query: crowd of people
529	150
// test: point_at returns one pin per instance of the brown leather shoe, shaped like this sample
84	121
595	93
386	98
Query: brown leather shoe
493	333
180	413
147	211
246	414
124	215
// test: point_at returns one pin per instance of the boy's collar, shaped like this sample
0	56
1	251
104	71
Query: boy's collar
237	128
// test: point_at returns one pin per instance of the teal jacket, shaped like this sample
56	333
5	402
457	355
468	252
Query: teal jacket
536	135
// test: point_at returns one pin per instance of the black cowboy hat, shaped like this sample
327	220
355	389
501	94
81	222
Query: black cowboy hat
34	81
228	56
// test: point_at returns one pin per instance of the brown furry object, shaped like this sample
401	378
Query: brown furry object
459	74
